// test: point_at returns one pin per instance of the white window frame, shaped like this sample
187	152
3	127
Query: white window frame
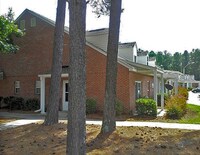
33	22
17	87
37	87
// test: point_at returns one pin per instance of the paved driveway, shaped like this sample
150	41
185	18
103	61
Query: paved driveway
193	98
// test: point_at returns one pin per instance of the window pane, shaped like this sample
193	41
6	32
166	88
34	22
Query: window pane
37	90
33	22
66	97
22	24
66	87
37	84
17	84
17	90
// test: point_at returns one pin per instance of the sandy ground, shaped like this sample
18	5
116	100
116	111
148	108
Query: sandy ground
39	139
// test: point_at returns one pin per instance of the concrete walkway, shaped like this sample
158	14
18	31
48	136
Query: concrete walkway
152	124
24	119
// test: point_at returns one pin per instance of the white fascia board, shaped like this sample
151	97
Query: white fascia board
49	75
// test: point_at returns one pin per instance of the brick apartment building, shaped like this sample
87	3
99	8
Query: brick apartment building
27	72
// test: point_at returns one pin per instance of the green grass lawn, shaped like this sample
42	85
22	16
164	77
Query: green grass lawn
192	116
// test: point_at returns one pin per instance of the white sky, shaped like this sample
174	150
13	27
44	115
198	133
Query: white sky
172	25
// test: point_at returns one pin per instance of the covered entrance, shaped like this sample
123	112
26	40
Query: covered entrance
64	89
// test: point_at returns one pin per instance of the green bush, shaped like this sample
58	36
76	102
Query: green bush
31	104
91	106
174	112
1	103
189	88
7	101
146	107
119	107
18	103
14	103
176	106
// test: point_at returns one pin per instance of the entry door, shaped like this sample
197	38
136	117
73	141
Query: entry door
65	95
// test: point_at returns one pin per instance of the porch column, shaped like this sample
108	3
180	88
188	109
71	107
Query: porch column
176	86
42	95
162	92
155	83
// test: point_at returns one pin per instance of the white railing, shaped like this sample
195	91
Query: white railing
186	77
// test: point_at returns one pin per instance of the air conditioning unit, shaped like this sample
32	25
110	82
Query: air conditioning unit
1	75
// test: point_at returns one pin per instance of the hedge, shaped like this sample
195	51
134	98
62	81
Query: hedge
146	107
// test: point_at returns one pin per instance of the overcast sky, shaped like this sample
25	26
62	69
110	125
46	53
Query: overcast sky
172	25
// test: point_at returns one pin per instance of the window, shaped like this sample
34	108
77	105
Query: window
138	89
22	24
17	87
37	87
33	22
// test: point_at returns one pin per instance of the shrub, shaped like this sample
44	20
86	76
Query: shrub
17	103
176	106
166	97
183	92
174	112
119	107
31	104
146	107
1	98
14	103
7	101
189	88
1	103
91	106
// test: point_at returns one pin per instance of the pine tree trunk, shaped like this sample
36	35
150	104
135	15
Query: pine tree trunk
56	70
109	123
76	133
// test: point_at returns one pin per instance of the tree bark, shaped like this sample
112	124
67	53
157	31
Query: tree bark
56	69
76	133
109	123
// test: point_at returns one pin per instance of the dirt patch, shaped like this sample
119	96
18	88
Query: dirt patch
39	139
6	120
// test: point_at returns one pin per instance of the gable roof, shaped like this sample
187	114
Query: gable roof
127	44
43	18
131	66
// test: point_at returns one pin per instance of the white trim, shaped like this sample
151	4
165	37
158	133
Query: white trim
49	75
155	88
42	95
162	92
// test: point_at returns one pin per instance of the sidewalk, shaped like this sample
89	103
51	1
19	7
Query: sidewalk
34	118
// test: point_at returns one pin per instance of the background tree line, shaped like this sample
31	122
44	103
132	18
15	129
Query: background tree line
178	61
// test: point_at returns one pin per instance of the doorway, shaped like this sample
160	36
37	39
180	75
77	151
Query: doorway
65	95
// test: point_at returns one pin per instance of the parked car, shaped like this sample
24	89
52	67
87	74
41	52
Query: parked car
196	90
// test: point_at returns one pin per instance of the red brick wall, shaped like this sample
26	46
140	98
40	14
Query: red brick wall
96	76
33	58
146	86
